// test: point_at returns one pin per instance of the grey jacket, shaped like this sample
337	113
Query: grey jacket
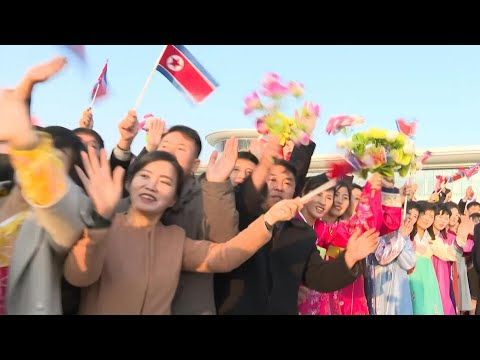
36	269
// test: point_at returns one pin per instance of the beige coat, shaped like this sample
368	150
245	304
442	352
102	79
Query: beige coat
127	270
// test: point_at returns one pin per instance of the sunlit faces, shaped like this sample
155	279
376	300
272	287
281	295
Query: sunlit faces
153	188
341	202
243	168
320	204
356	194
89	140
441	221
184	150
425	220
412	215
454	217
281	185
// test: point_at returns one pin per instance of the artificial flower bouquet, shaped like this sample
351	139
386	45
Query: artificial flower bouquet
269	117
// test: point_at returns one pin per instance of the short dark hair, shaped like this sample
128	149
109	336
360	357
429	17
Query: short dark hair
91	132
247	155
475	216
287	165
64	138
356	186
154	156
190	134
473	203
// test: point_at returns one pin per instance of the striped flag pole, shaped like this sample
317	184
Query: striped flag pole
140	97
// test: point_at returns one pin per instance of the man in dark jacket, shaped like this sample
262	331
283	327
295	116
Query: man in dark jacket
268	282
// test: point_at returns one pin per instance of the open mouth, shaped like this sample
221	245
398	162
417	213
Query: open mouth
319	209
148	197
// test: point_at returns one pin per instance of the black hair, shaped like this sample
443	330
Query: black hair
356	186
474	216
190	134
6	169
473	203
314	182
451	205
247	155
344	184
64	138
441	209
91	132
154	156
423	207
287	165
413	205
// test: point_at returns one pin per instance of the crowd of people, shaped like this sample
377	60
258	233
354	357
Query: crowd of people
83	233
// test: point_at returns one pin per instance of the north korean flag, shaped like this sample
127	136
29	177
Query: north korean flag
185	73
102	84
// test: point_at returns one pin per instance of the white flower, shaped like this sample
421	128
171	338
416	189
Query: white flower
409	148
349	143
391	136
341	143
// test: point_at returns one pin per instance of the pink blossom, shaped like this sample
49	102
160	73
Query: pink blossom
269	79
338	123
262	126
309	109
252	103
274	90
296	89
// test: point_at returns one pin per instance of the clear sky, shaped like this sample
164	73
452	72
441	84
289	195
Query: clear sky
437	85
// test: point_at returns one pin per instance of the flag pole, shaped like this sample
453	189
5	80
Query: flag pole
148	80
95	96
98	86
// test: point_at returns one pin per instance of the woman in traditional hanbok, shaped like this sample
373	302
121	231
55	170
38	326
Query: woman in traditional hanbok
424	286
333	235
393	259
463	300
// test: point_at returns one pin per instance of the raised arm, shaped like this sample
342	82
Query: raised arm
84	262
205	256
128	128
301	158
220	215
392	245
38	169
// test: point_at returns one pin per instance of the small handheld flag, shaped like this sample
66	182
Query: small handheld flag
101	87
181	68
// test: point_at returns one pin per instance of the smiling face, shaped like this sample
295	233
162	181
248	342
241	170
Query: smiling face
319	205
425	220
454	217
441	221
153	188
341	202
